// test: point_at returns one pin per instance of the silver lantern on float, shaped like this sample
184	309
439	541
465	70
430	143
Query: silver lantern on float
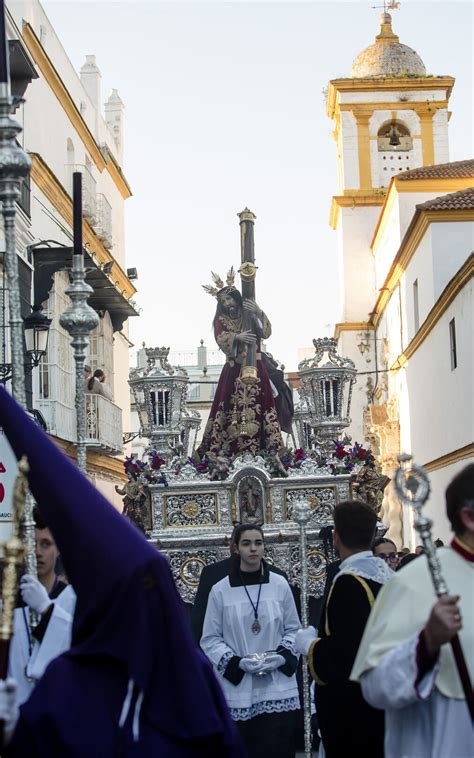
327	380
160	390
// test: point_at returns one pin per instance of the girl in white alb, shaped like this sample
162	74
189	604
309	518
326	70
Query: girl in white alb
251	612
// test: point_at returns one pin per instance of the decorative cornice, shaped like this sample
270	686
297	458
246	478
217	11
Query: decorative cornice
366	109
97	463
388	84
451	184
351	199
352	326
450	292
52	188
60	90
453	457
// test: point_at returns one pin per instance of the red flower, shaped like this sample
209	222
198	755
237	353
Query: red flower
157	461
299	454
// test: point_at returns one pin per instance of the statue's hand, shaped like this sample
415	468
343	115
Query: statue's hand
252	307
247	337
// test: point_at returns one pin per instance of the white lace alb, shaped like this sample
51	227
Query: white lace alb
267	706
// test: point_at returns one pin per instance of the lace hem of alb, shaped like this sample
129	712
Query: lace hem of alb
267	706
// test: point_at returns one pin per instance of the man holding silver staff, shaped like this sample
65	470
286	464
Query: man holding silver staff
405	664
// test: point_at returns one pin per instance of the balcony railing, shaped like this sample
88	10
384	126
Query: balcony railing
103	424
89	195
60	419
103	224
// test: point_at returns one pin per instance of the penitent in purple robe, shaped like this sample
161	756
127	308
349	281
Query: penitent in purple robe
133	682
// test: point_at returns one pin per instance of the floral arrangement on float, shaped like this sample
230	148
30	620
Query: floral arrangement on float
345	459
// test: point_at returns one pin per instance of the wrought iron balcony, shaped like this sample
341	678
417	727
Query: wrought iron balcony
103	224
89	194
103	424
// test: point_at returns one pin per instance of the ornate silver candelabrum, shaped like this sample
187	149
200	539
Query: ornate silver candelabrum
160	390
325	392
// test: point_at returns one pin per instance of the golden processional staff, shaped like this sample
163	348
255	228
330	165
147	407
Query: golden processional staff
13	554
413	488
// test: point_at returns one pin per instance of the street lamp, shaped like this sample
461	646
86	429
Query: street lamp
36	335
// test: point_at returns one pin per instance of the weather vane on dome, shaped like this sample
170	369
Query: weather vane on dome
388	5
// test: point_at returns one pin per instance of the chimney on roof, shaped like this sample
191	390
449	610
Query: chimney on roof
90	78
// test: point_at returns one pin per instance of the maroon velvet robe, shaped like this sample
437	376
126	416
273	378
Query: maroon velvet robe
242	418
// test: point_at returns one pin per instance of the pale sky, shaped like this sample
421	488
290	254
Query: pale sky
224	109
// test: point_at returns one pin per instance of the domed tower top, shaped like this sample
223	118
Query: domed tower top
387	56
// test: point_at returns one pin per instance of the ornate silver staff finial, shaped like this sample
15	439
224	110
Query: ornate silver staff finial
301	513
413	488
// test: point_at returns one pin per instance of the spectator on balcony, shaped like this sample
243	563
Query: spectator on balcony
97	384
87	376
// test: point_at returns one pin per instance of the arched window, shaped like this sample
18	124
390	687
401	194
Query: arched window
395	150
394	136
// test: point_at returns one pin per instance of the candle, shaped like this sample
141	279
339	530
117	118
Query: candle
4	55
77	211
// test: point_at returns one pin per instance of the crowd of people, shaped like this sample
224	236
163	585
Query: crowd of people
112	667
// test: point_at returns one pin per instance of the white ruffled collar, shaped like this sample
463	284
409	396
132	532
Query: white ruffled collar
366	565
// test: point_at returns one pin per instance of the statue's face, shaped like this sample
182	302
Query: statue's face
230	305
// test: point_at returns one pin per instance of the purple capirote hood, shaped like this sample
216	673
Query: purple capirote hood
128	608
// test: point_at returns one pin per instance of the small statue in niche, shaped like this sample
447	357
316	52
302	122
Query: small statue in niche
134	503
369	485
251	506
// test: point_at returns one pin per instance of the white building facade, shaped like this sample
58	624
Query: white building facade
66	128
405	224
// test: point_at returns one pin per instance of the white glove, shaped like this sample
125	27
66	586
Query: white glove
8	708
272	662
250	665
304	639
34	593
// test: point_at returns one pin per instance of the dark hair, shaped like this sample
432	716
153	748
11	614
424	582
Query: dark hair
383	541
355	522
438	543
406	560
239	530
98	374
460	492
38	518
220	310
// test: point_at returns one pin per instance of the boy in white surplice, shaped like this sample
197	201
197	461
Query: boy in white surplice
251	612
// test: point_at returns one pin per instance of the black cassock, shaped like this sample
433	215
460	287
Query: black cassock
349	726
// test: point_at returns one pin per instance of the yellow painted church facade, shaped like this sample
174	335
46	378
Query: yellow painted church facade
404	218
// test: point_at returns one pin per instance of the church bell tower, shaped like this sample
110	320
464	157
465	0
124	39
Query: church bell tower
390	117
